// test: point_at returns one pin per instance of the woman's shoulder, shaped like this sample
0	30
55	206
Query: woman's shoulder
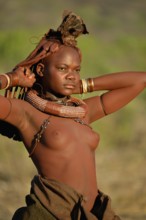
22	105
20	112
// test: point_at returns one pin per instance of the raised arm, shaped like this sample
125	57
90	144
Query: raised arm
20	77
119	80
10	109
120	89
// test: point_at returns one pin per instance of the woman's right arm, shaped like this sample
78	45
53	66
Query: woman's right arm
12	110
21	76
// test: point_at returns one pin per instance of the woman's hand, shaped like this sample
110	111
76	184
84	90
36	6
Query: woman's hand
22	76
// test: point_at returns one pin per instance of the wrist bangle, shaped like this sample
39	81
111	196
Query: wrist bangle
90	84
8	80
87	85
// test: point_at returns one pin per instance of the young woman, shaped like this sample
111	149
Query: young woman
55	127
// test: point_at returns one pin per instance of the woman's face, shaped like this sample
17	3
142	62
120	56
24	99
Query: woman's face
62	71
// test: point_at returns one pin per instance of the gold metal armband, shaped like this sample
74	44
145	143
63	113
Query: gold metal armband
87	85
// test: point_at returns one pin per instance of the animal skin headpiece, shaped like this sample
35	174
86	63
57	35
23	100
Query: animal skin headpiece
71	27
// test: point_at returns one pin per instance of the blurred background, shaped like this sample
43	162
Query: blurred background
116	43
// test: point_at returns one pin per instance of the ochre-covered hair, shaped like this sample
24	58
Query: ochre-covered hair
71	27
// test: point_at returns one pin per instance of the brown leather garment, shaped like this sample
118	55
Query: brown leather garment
50	199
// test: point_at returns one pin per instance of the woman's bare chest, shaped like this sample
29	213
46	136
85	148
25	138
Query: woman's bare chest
63	132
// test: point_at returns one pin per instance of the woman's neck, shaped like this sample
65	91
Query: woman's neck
60	100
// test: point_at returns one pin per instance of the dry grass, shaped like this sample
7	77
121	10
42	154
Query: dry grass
122	175
16	171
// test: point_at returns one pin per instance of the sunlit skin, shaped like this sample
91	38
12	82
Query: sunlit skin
62	72
67	149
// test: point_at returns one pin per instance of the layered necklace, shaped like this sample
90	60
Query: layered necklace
67	107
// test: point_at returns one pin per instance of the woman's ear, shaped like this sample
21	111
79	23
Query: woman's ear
40	69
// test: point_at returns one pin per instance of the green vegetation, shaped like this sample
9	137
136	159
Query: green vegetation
116	43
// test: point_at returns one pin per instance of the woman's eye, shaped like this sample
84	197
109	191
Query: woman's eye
77	70
61	68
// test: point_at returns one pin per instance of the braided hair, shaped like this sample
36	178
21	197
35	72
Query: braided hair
71	27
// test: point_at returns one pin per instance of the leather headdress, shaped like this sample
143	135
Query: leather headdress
71	27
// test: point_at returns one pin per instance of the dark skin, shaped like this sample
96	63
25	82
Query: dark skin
62	154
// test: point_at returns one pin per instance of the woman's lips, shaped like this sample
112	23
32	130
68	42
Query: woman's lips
69	86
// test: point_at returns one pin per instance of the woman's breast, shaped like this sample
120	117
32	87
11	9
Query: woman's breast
62	133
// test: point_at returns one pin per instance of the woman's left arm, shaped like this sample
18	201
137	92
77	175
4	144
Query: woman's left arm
121	88
119	80
113	81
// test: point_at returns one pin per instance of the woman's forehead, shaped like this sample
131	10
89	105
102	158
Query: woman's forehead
64	52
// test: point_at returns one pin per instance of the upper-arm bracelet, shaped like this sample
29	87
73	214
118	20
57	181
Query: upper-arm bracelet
103	107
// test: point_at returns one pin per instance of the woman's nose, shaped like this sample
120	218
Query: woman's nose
71	75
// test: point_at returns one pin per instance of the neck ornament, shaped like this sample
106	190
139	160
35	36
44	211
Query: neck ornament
69	107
